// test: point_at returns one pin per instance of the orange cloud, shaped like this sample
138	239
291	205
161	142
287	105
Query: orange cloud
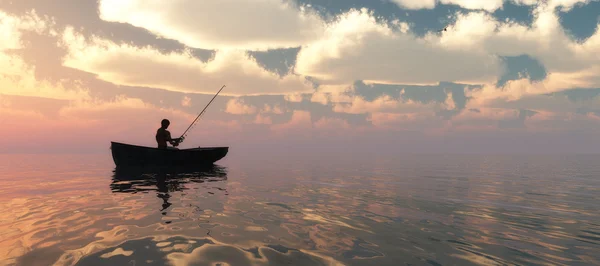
237	106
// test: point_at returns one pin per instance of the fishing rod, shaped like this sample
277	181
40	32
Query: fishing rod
183	135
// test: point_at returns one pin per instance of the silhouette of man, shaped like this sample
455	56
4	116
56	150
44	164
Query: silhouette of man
163	135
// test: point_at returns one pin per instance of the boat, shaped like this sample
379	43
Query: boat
127	155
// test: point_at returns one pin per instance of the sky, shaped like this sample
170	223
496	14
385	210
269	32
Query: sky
320	77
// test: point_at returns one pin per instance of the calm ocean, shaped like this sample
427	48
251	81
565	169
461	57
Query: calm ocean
403	210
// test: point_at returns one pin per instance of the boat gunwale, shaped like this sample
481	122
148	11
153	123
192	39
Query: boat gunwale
175	150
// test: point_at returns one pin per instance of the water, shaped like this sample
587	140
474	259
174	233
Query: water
406	210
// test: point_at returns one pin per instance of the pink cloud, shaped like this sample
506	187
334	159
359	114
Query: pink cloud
92	125
300	119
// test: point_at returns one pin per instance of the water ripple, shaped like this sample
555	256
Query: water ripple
414	211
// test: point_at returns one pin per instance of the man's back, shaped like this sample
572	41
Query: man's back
162	136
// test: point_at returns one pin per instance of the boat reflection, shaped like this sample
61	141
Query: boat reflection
164	180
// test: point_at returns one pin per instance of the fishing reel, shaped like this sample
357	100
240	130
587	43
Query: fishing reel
177	141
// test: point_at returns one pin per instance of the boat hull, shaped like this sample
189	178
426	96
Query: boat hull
126	155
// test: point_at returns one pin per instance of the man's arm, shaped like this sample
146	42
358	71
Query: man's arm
172	140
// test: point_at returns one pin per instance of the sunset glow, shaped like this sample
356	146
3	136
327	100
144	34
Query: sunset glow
294	72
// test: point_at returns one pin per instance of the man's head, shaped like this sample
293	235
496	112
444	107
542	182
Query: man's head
165	123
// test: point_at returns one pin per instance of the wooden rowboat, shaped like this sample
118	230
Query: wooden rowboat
126	155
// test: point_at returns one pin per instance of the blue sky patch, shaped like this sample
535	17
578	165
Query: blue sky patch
521	66
581	21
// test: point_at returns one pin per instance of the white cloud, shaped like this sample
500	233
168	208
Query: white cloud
487	5
220	24
415	4
358	48
546	41
133	66
351	48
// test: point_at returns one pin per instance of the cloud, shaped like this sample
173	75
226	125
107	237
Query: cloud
518	122
382	119
11	115
415	4
357	47
186	101
260	119
238	107
328	94
472	51
125	117
566	4
562	102
351	74
426	124
120	101
11	28
275	109
176	71
89	125
17	77
518	67
487	5
305	128
384	103
295	97
522	88
220	24
444	100
300	119
545	41
332	124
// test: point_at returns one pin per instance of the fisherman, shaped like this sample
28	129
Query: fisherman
163	136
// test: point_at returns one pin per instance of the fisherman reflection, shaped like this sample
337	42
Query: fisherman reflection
163	191
165	181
